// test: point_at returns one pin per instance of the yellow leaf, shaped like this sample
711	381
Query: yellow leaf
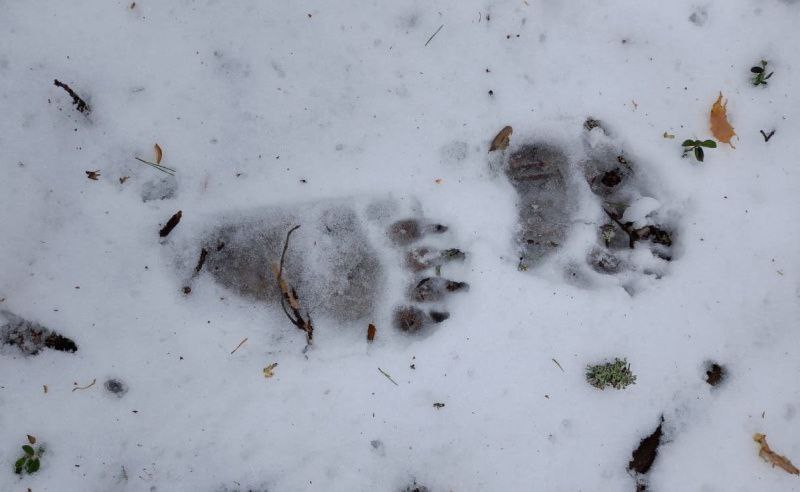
502	139
159	153
772	457
268	370
720	128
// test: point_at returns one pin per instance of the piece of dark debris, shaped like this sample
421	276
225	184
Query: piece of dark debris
30	337
93	175
201	261
766	135
79	103
415	487
438	405
171	223
645	454
715	374
116	387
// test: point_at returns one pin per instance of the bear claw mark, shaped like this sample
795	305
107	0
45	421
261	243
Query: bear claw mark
423	258
404	232
432	289
411	319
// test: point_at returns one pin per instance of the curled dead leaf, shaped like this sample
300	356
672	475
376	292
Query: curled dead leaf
718	118
772	457
502	139
371	332
159	153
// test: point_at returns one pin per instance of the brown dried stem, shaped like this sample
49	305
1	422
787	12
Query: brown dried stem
289	295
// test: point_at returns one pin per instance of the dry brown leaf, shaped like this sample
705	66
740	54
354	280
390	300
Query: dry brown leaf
772	457
268	370
668	135
93	175
31	439
502	139
720	128
371	332
159	153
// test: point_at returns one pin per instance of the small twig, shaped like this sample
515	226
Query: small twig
84	387
632	238
434	34
79	103
388	377
559	365
237	347
767	137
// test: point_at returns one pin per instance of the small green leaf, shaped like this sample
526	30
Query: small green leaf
19	464
28	450
698	153
768	76
709	144
688	143
32	466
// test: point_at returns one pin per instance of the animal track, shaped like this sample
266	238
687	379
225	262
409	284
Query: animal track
336	261
339	261
547	190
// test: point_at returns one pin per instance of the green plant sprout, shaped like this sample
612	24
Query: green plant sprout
696	147
761	75
31	459
616	374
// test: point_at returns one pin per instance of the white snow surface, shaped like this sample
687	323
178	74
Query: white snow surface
248	98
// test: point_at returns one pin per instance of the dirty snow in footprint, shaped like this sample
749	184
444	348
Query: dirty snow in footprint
587	306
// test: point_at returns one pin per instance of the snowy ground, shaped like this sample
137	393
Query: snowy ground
285	103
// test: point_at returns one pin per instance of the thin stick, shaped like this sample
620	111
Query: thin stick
84	387
237	347
559	365
434	34
388	377
161	168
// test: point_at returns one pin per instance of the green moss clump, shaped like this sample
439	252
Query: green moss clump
616	374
